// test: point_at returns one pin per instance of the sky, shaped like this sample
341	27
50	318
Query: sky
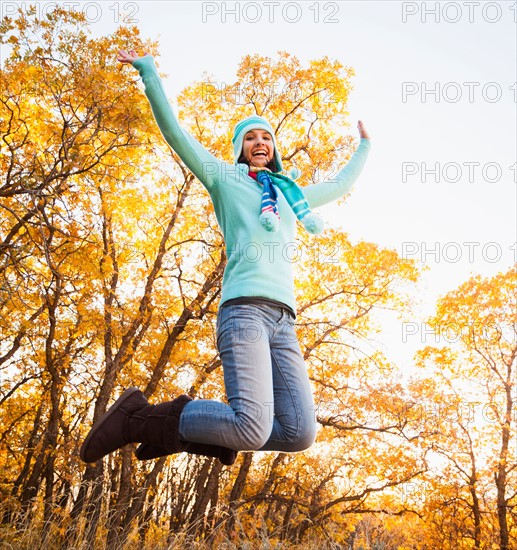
436	88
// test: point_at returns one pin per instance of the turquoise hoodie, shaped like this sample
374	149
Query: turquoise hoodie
259	263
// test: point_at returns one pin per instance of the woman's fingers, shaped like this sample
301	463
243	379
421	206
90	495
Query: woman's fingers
125	57
362	130
128	57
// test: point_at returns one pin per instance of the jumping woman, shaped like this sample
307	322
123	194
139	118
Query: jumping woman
270	404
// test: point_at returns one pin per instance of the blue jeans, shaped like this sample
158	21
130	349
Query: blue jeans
269	393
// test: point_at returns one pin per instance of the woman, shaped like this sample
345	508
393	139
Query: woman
266	381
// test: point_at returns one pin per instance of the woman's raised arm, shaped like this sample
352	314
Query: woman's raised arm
330	190
201	162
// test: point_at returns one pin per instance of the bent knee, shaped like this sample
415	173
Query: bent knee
305	438
253	434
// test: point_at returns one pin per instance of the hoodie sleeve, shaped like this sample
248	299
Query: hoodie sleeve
199	160
322	193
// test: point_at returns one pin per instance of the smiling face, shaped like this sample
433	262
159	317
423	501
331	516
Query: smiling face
258	148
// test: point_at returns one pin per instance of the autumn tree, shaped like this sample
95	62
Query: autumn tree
469	397
112	263
70	132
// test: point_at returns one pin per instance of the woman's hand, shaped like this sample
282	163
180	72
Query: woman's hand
128	57
362	130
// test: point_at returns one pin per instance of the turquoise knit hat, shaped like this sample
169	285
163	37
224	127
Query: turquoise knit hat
253	122
293	193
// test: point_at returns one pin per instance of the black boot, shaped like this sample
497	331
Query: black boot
132	419
226	456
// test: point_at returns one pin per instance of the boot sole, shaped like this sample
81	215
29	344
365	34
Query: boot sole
84	447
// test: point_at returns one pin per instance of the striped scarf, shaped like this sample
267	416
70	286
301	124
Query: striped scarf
269	194
269	216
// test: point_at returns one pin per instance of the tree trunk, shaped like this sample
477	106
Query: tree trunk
201	498
121	501
149	493
237	489
31	444
501	473
87	502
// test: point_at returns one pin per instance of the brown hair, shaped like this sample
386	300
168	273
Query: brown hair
271	164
